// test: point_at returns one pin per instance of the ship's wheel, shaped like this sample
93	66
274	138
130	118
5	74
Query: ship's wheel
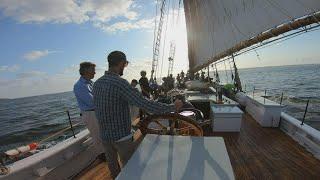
170	124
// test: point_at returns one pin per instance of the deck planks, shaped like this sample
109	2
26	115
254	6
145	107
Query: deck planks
264	153
255	153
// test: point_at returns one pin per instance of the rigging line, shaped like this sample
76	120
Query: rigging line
173	12
155	30
164	40
311	8
267	44
303	5
282	10
283	38
157	37
229	19
266	10
178	20
156	55
155	25
225	69
257	55
272	42
233	24
277	6
211	32
232	76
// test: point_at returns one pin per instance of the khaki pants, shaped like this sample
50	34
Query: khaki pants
91	122
118	154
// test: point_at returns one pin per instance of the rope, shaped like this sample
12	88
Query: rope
155	27
282	10
164	41
272	42
57	133
232	76
212	25
225	69
4	170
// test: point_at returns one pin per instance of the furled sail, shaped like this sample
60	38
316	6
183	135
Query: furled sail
219	28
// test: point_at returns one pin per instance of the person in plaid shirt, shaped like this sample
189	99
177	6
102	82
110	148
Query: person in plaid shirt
112	96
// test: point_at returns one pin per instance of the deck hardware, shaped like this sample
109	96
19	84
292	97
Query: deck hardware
71	124
265	95
253	92
305	112
281	98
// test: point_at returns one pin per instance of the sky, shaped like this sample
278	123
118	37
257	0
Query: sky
43	42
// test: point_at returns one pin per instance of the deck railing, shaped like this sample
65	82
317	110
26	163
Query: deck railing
306	109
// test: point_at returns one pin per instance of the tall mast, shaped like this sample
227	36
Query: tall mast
171	57
156	48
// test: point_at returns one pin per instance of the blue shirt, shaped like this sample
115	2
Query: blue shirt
112	97
83	91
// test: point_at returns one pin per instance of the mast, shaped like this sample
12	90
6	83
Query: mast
171	57
156	48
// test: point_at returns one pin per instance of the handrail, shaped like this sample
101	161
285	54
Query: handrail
58	133
305	112
281	101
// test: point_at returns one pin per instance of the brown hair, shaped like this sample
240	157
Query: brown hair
85	66
115	57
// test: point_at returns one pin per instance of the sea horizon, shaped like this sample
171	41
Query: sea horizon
28	119
290	65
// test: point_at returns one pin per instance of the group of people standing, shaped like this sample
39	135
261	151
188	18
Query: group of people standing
104	106
182	78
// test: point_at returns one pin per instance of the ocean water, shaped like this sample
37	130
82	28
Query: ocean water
32	119
298	83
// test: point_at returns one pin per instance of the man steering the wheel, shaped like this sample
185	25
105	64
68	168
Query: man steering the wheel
112	97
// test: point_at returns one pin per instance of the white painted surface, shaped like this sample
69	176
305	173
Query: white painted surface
265	112
58	162
304	134
241	98
226	118
179	157
202	98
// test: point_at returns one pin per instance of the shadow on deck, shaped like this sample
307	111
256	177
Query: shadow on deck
255	153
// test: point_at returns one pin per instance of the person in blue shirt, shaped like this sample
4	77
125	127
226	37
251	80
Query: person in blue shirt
83	92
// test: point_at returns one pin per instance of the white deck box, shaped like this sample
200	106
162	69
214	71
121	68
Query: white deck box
265	112
226	118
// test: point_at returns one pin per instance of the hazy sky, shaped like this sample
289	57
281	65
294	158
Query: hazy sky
42	42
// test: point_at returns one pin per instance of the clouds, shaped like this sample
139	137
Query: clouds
36	54
98	12
103	11
57	11
127	25
31	74
12	68
35	83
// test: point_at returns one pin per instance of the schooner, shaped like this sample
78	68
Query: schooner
255	141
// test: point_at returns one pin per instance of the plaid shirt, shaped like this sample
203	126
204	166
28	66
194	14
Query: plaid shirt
112	96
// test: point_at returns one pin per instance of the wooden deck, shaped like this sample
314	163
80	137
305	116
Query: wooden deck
255	153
